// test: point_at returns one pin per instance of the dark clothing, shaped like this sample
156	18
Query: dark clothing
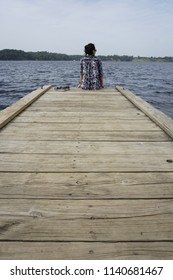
91	70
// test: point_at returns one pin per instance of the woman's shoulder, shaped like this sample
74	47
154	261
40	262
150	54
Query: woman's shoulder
90	58
84	58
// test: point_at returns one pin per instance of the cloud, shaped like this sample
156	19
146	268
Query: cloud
116	27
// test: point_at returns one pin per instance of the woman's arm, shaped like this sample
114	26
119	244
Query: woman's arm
101	81
80	81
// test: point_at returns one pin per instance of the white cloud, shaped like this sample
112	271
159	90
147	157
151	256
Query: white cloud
116	27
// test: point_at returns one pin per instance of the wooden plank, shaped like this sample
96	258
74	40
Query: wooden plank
12	111
82	100
88	148
86	250
72	110
76	120
85	93
75	135
110	230
86	96
76	90
132	112
141	125
106	220
85	163
155	115
86	185
85	209
86	116
79	177
80	96
88	106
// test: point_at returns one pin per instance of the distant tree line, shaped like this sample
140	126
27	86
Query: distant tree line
154	59
116	58
11	54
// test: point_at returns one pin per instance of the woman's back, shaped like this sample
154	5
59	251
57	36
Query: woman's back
91	73
91	69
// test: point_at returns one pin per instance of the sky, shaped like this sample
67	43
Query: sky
121	27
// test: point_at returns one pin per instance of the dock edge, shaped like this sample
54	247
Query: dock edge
15	109
163	121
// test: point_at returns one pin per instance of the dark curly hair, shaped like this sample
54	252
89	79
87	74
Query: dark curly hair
89	49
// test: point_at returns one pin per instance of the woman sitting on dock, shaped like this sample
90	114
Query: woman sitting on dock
91	72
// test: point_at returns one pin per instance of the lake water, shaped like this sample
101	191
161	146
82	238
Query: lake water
153	81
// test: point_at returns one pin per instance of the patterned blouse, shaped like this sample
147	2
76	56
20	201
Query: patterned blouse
91	70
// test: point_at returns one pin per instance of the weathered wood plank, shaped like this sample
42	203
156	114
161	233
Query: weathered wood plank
78	96
84	96
131	113
84	209
86	185
85	180
112	92
86	250
11	112
88	148
75	106
75	120
68	110
76	90
87	221
75	135
155	115
110	230
85	163
70	117
141	125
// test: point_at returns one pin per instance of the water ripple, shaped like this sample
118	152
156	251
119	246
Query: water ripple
152	81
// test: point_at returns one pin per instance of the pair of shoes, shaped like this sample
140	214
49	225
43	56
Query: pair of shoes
63	88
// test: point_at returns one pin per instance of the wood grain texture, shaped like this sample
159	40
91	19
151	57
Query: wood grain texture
65	220
86	250
74	135
85	163
147	228
85	175
87	148
87	186
15	109
165	122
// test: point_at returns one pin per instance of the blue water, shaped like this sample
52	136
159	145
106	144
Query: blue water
153	81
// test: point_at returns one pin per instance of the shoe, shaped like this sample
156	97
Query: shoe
65	88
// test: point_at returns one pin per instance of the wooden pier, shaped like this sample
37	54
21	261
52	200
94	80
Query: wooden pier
85	175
